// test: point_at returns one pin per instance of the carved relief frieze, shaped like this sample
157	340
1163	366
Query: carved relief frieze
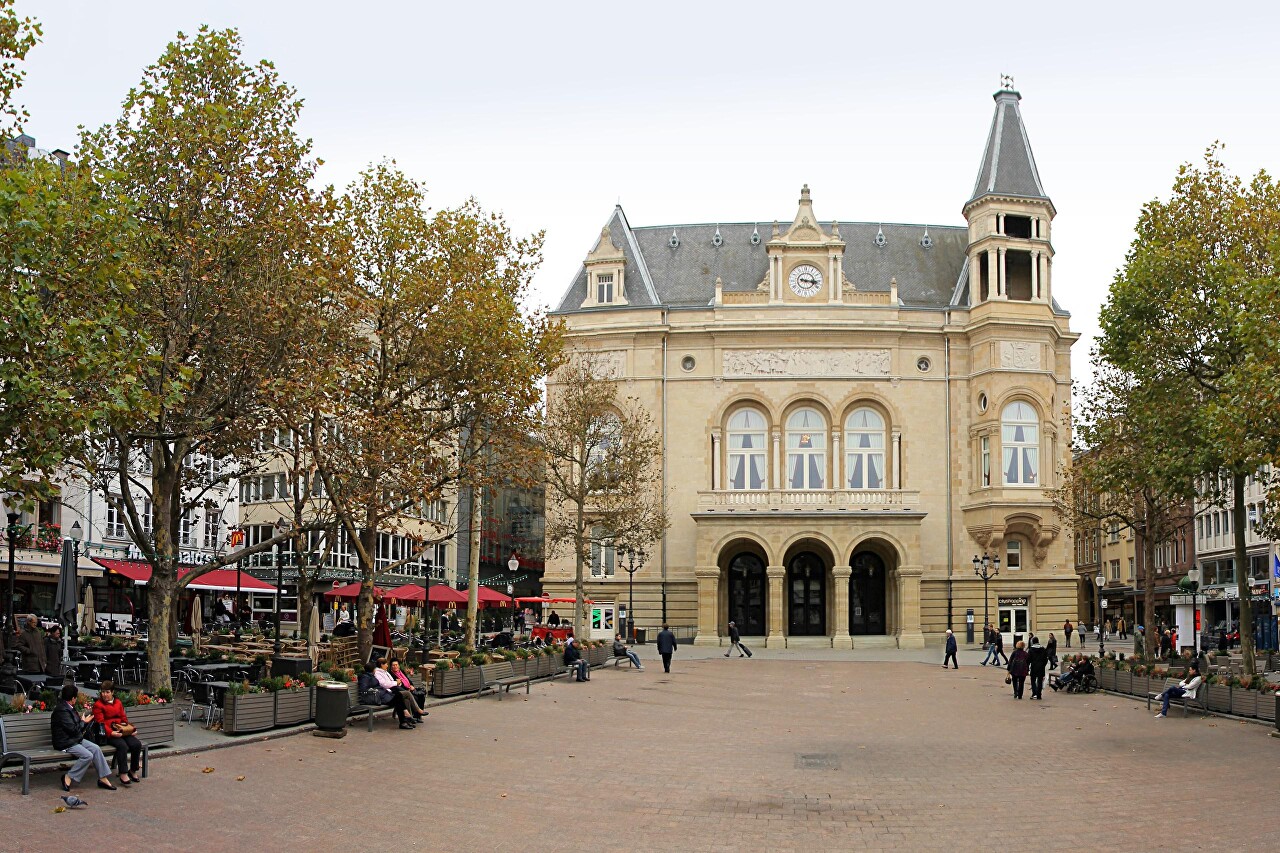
605	364
806	362
1019	355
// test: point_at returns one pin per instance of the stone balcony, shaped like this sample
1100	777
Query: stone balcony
811	500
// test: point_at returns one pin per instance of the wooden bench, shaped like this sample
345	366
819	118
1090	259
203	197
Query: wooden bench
29	739
619	658
500	678
1186	699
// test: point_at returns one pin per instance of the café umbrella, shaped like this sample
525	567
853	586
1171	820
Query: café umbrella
64	602
197	621
313	635
89	619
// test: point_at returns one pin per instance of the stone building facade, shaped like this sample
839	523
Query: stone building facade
850	412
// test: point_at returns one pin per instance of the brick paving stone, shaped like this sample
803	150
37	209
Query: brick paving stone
720	755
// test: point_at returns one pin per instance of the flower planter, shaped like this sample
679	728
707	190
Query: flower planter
1124	681
154	721
1218	698
1267	702
1140	685
596	655
1106	678
249	712
1244	703
446	682
470	679
293	707
519	666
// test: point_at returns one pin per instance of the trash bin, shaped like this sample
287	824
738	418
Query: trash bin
641	634
331	706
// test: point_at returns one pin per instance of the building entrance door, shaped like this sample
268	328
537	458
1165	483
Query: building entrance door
748	583
1012	623
807	599
866	595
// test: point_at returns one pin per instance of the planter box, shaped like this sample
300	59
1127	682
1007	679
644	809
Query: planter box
293	707
470	679
1218	698
1141	685
519	667
1244	703
1124	681
1267	703
597	656
249	712
449	682
155	722
545	663
1106	678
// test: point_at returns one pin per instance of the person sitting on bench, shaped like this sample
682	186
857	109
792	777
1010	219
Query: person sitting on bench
1188	685
620	649
373	693
68	729
1079	671
573	660
413	698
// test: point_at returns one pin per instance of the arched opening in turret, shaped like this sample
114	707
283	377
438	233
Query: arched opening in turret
1017	271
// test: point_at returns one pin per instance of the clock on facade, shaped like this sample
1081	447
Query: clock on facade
806	280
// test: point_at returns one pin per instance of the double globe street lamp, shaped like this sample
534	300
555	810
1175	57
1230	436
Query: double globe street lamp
986	567
635	562
1101	580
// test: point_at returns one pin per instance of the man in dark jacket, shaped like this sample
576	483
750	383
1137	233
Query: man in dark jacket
951	651
997	640
53	651
1037	660
67	730
573	660
666	646
735	639
31	644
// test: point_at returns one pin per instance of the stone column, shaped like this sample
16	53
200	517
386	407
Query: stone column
897	458
975	274
708	606
993	275
909	634
779	475
777	608
833	280
1035	275
1003	280
840	638
836	482
715	460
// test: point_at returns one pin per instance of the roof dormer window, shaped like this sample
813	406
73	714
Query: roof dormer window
604	288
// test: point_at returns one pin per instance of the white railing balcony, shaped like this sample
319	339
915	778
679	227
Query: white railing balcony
870	499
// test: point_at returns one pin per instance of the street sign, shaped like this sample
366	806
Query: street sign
1104	604
511	588
1180	599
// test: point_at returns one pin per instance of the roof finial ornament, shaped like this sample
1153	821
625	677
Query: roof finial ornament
1006	82
717	240
674	242
804	193
880	240
775	229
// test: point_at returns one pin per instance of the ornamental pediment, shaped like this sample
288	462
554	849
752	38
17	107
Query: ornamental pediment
806	362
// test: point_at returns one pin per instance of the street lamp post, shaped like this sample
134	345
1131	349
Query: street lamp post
513	566
986	567
426	604
635	562
9	669
1191	583
1100	580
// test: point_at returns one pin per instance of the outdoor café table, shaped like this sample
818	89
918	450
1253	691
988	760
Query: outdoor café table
545	633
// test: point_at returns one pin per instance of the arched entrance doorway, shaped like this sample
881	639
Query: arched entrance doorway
867	602
748	588
806	595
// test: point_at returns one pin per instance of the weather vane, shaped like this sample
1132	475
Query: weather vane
1006	82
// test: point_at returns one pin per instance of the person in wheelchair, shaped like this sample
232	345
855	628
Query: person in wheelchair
1075	677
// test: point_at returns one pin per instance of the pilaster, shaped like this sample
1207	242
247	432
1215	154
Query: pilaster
909	634
840	638
708	605
777	609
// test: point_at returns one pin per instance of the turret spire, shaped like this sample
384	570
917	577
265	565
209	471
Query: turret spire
1008	167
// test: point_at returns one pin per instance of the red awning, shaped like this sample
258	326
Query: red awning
492	597
534	599
139	571
352	590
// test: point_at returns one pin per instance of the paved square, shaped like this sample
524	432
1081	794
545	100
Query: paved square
719	755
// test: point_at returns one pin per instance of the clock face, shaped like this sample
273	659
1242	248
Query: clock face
806	280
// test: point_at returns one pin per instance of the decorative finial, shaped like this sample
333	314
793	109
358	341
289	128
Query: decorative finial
717	240
804	193
755	235
674	242
775	229
880	240
835	229
1006	82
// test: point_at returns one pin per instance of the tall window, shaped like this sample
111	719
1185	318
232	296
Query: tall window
148	514
1013	554
806	450
747	448
212	522
185	535
1115	570
603	555
1020	441
604	288
607	438
864	449
115	522
986	462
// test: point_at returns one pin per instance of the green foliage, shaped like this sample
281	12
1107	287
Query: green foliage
17	37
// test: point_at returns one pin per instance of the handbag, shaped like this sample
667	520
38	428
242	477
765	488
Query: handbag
1008	679
126	729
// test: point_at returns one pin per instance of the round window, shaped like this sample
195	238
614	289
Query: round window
923	364
982	402
687	363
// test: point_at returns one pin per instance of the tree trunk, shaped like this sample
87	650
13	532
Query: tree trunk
306	583
1149	575
1238	522
473	568
364	603
160	592
579	588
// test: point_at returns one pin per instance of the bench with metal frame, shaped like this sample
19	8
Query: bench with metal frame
500	678
29	739
1187	699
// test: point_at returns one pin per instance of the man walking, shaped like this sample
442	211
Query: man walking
1067	629
989	642
735	641
951	651
666	646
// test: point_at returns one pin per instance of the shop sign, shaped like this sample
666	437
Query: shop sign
1011	601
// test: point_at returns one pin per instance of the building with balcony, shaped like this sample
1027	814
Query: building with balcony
850	412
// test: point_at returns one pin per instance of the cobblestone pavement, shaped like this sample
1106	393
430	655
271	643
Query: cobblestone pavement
718	755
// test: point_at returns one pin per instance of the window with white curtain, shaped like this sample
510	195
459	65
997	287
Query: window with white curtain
1020	443
748	446
864	449
806	450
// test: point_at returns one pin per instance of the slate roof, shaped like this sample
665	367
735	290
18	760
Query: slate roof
1008	166
658	274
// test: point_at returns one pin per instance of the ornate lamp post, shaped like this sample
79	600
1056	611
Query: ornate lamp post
513	566
280	525
1100	580
635	562
986	567
426	604
1191	584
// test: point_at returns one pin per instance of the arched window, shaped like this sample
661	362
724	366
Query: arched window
806	450
1020	442
748	447
605	437
864	449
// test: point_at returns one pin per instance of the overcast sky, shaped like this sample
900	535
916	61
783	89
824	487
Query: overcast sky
696	112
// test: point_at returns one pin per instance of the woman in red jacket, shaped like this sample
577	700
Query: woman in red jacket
108	711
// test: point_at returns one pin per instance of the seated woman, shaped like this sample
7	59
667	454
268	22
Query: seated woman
413	697
620	649
68	729
375	689
1188	685
108	712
